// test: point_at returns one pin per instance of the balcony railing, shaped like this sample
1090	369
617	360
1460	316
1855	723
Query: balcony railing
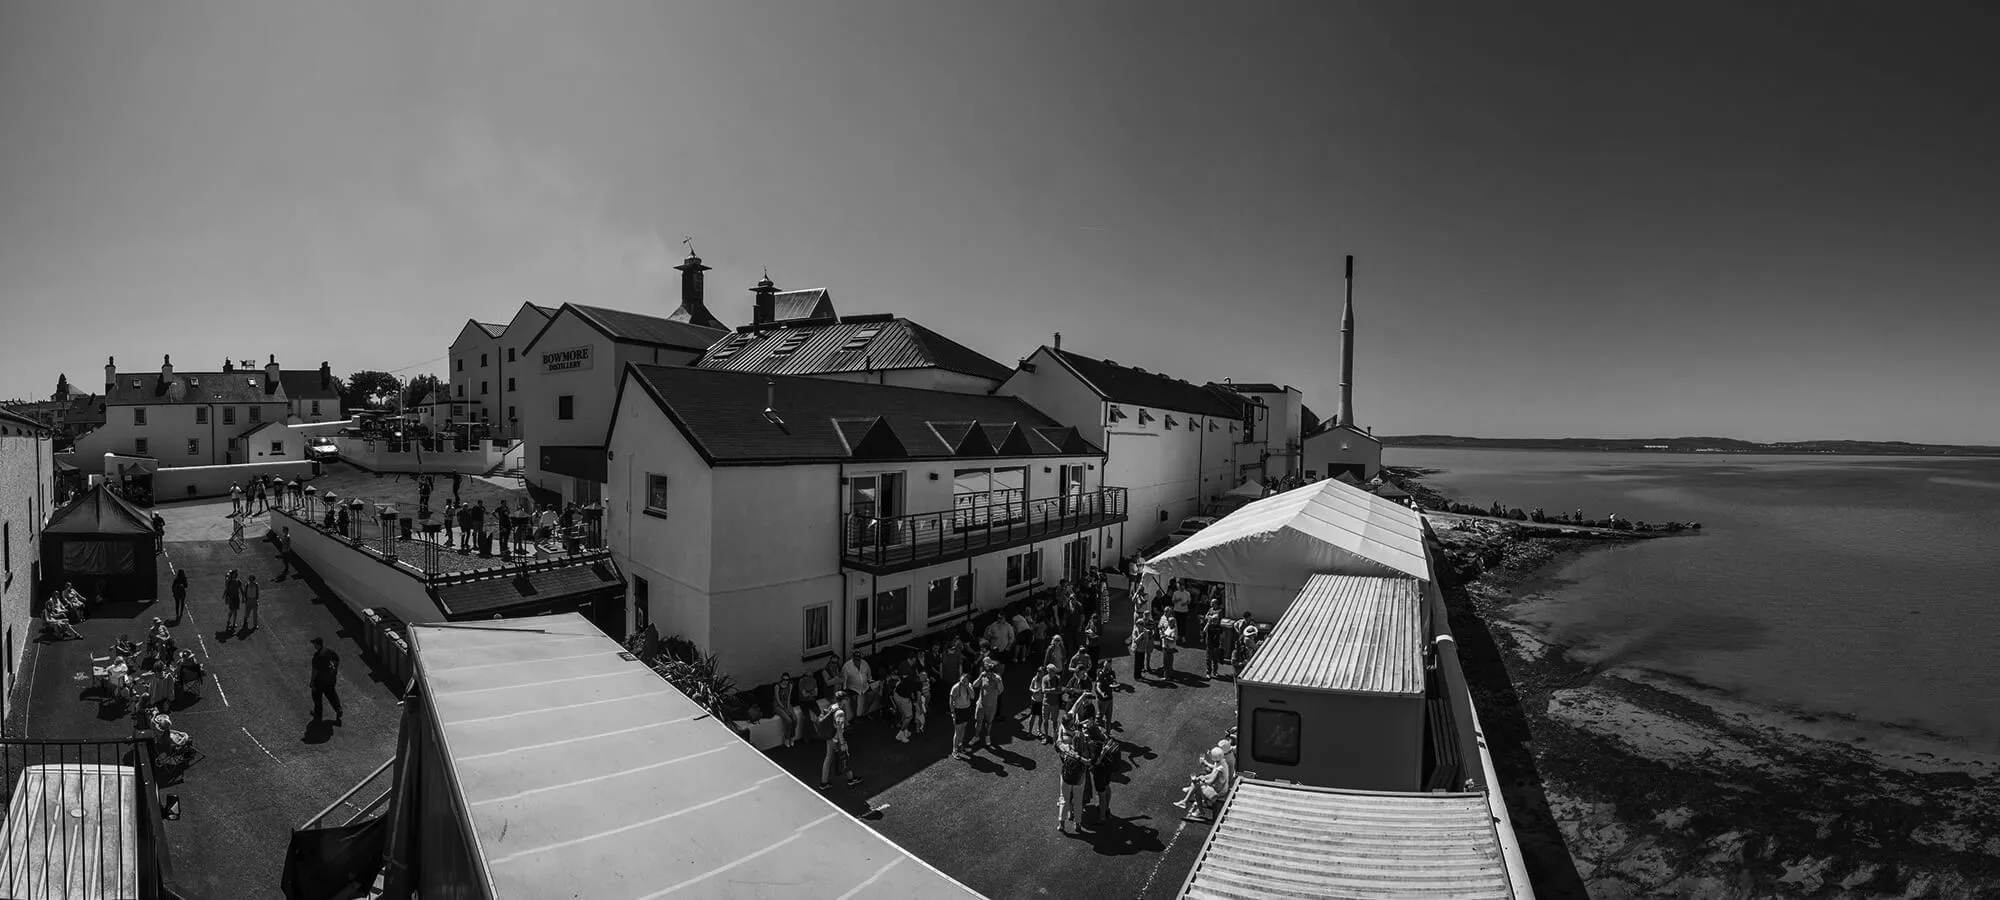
906	542
418	546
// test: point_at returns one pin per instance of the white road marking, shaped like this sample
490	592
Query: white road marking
218	688
274	756
1163	858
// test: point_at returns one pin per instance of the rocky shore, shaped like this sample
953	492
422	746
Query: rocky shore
1625	783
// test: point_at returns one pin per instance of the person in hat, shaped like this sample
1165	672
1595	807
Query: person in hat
325	680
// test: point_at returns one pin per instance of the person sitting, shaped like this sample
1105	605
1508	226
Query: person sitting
58	628
1205	788
73	604
118	677
124	647
187	668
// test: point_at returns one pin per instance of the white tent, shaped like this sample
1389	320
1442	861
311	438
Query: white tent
1268	550
1252	490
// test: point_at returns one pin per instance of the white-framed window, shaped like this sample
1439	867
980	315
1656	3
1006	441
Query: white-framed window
277	448
194	446
1023	568
315	407
139	416
229	415
948	595
892	609
656	493
201	415
256	414
817	636
139	446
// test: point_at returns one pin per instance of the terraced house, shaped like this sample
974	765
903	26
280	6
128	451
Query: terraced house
775	519
190	418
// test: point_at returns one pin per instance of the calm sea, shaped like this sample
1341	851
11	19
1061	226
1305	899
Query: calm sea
1859	586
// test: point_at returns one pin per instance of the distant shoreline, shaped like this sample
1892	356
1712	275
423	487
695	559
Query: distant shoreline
1692	445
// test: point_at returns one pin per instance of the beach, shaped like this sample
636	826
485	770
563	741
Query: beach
1626	782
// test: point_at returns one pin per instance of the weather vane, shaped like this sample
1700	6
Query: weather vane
689	241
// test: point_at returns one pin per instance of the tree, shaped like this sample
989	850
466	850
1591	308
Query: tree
369	388
421	387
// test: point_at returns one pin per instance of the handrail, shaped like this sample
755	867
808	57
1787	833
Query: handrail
350	792
984	524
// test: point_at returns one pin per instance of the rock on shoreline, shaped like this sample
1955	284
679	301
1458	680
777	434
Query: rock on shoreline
1626	784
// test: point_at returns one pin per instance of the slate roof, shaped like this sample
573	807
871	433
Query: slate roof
638	328
1124	384
491	329
721	414
853	344
809	304
22	421
303	384
244	386
501	592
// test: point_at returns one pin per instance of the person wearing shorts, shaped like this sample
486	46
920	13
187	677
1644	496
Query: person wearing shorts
963	695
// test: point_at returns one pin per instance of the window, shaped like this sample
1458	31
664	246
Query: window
791	343
461	390
229	415
315	407
982	497
139	446
1145	417
731	347
510	383
1274	736
511	416
861	339
566	406
892	609
818	637
256	414
484	388
139	416
277	448
194	446
642	603
461	365
482	360
232	445
948	595
1024	568
861	615
201	415
7	548
510	354
656	494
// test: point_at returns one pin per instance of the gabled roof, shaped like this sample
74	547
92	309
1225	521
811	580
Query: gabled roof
636	328
1124	384
12	418
1324	528
1256	387
815	303
492	329
241	386
1330	427
854	344
303	384
821	420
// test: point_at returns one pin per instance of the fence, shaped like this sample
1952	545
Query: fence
428	455
923	537
417	543
82	819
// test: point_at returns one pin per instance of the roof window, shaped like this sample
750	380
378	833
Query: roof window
791	343
731	347
861	339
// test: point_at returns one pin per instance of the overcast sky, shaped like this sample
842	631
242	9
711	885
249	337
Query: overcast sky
1775	223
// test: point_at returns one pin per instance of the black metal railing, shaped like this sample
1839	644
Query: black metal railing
418	542
923	538
82	819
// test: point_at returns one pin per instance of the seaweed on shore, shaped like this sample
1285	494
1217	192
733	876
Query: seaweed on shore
1624	788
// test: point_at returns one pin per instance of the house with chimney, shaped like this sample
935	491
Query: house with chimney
315	395
1174	446
800	333
182	418
563	384
777	519
485	370
1340	446
67	413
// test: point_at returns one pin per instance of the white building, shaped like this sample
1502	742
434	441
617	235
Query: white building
1175	446
1340	445
27	476
484	370
185	418
776	519
315	396
1280	428
569	376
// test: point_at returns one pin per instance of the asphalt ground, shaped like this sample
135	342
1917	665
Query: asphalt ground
265	765
991	822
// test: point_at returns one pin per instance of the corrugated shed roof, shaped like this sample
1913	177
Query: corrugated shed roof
644	329
861	344
1124	384
582	773
489	595
242	386
722	413
815	303
1347	634
1274	842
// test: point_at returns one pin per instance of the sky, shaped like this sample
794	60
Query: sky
1772	221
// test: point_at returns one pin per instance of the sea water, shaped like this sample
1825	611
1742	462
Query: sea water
1856	587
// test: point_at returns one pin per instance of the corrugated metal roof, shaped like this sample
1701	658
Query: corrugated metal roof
1347	634
861	344
1277	841
812	303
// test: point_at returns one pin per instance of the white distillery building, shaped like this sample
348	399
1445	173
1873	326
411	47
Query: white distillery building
776	519
1174	445
187	418
485	370
27	477
1340	445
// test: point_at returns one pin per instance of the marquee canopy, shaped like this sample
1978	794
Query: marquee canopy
100	512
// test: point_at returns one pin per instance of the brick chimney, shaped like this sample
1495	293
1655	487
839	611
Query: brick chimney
764	306
166	367
110	374
228	365
271	374
325	375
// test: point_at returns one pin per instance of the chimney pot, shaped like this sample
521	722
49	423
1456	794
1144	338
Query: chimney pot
1058	340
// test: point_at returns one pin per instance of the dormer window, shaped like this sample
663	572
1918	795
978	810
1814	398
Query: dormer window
194	382
791	343
861	339
1117	415
1170	422
1145	417
253	382
135	382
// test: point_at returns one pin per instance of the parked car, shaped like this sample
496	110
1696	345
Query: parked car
323	449
1192	524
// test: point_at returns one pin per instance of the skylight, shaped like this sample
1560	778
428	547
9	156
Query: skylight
792	343
861	339
732	347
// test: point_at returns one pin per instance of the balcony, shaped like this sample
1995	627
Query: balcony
881	546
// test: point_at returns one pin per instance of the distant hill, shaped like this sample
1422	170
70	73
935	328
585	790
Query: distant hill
1690	445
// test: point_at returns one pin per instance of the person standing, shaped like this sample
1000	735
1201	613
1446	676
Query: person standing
450	517
180	595
1183	601
990	688
503	520
325	678
251	593
456	479
963	695
1212	631
285	551
1142	642
839	759
159	534
464	526
782	705
1040	709
1170	636
235	498
232	598
1101	769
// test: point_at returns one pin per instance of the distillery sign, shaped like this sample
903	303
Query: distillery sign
570	360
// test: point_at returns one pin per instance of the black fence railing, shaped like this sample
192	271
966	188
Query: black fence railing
419	540
918	539
82	820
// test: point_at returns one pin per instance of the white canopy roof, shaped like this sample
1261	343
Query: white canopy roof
1324	528
1252	489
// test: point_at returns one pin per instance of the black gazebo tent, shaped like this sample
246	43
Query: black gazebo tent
102	539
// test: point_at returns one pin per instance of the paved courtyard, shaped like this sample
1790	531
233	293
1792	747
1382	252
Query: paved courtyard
991	822
267	766
208	520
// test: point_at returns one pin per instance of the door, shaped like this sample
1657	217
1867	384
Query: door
873	503
1076	558
1069	483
